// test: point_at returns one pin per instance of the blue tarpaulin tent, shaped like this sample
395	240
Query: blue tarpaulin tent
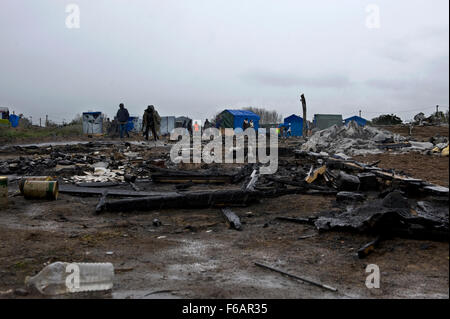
296	124
359	120
235	118
14	119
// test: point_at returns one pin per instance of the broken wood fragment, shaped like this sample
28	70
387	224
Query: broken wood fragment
315	173
298	220
368	248
254	179
101	203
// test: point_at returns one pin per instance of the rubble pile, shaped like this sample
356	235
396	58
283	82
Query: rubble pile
392	215
351	139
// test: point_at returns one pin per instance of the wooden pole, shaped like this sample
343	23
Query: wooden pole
305	130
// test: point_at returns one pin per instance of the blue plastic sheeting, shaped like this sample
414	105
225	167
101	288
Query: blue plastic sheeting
296	124
130	124
14	119
359	120
240	115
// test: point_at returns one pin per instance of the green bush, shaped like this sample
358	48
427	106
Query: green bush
387	119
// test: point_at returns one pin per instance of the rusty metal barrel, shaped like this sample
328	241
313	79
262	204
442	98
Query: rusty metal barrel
3	192
32	178
40	189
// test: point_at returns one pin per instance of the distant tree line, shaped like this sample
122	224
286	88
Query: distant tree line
387	119
266	116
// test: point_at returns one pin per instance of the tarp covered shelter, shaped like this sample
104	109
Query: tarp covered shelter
92	123
235	118
324	121
296	124
359	120
180	120
134	124
14	120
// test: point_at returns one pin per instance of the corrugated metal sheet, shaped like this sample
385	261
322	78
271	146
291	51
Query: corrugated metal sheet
167	125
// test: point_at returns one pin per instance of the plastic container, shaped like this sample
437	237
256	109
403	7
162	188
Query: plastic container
3	192
33	178
40	189
62	277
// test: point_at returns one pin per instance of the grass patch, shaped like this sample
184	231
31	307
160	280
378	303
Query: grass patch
38	133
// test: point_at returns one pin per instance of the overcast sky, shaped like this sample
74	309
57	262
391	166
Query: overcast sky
198	57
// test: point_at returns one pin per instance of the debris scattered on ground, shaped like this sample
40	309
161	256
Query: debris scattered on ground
350	139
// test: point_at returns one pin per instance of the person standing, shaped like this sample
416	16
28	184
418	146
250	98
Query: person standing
151	121
122	118
246	125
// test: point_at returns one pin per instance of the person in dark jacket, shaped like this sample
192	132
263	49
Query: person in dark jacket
122	118
151	121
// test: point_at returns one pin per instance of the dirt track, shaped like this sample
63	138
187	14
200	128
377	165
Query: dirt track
195	255
199	257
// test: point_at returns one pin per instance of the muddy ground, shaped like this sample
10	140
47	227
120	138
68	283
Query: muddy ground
195	255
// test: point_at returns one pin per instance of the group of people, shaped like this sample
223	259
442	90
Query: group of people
150	123
248	124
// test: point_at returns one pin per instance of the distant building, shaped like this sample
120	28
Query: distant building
92	123
323	121
180	120
235	119
167	125
296	124
359	120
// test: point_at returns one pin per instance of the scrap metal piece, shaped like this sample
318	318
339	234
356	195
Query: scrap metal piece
297	277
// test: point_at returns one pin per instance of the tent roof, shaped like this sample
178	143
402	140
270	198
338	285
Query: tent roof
293	117
355	118
243	113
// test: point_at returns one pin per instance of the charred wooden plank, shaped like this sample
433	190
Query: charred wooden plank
94	191
101	202
97	184
298	220
193	178
205	199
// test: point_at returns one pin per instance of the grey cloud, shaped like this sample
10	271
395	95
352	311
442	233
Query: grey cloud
278	79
